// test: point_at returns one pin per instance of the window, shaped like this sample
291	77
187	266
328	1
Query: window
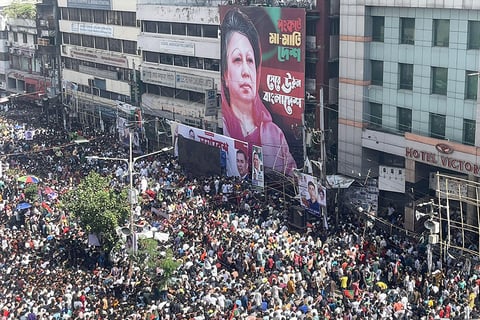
407	30
15	37
195	62
406	76
212	64
404	119
166	58
64	13
151	56
210	31
441	32
86	15
115	45
377	72
469	132
150	26
87	41
437	125
378	26
375	115
74	14
471	85
101	43
129	19
439	80
99	16
473	35
181	61
179	28
129	46
25	38
194	30
113	17
164	27
75	39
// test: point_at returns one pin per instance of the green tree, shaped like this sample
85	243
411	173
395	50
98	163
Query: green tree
98	208
149	260
19	10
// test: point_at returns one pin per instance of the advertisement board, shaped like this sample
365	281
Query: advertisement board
263	81
313	196
258	176
227	146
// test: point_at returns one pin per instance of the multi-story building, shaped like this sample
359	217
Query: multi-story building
408	93
99	59
24	73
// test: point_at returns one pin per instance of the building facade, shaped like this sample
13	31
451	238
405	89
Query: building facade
100	61
408	93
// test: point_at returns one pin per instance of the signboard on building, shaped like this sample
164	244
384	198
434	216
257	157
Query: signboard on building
158	76
98	57
90	4
444	156
192	82
391	179
210	102
263	69
92	29
176	47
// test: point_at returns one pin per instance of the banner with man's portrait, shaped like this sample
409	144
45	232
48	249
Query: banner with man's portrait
227	147
313	196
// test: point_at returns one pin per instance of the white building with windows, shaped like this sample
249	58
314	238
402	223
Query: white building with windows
408	87
99	56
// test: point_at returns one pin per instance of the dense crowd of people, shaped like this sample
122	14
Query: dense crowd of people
239	258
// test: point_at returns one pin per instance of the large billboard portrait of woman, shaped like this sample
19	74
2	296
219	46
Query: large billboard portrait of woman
262	77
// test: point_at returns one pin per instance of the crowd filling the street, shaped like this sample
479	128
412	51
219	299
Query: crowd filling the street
237	256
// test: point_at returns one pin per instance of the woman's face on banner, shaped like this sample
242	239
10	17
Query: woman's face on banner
241	73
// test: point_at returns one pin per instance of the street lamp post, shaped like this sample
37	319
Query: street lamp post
132	193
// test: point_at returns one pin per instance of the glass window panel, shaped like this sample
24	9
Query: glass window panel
115	45
75	39
377	72
375	115
179	28
473	34
378	26
469	132
99	16
166	58
407	30
181	61
441	32
86	15
151	56
87	41
167	92
164	27
210	31
129	19
471	85
194	30
150	26
437	125
74	14
404	119
101	43
130	46
406	76
212	64
439	80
